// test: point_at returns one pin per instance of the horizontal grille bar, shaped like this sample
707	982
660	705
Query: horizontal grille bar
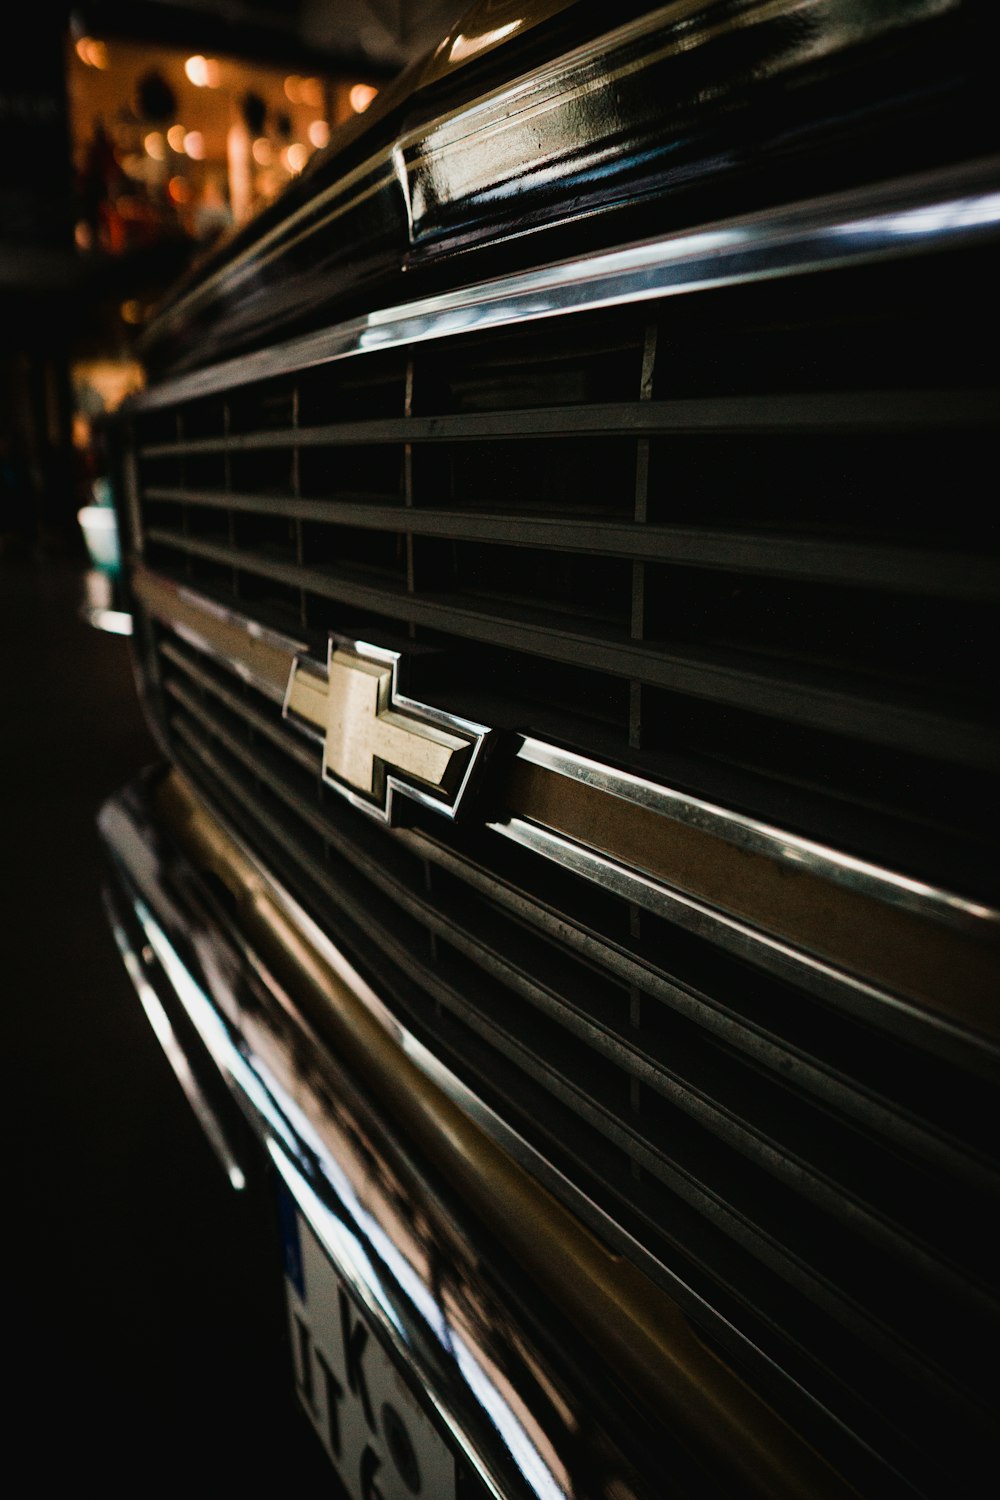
959	961
448	920
628	1058
956	576
824	707
853	411
933	212
400	888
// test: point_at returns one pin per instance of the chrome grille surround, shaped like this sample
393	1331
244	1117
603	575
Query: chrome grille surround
795	1138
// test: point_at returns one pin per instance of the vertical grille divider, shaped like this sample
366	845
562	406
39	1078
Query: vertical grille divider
182	482
227	465
411	582
297	492
637	626
635	1022
132	494
411	588
637	631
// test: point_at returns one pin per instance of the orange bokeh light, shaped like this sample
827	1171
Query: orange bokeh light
361	96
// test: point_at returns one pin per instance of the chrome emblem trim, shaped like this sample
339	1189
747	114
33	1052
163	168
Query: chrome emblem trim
263	658
378	743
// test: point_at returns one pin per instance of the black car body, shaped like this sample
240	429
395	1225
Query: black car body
558	544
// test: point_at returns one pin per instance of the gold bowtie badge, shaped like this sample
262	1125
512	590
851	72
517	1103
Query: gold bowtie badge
375	741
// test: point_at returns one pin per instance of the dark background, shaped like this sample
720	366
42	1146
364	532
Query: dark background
144	1307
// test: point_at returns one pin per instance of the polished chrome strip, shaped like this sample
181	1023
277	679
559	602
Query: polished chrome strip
192	616
933	211
277	640
604	63
215	1132
481	1114
679	1373
803	855
208	647
332	1211
283	236
846	990
884	885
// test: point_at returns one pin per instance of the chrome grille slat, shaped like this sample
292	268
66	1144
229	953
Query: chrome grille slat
853	411
426	914
772	1049
405	951
457	929
771	1046
796	1275
956	576
254	717
815	705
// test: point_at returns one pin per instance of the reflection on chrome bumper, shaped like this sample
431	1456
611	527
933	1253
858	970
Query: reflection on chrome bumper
396	1220
100	604
355	1190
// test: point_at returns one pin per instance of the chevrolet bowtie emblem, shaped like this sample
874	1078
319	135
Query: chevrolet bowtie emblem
376	742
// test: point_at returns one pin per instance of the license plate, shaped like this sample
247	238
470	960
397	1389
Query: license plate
380	1442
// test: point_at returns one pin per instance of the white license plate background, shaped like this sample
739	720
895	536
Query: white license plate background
378	1438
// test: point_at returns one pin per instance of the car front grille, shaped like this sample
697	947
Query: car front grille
734	543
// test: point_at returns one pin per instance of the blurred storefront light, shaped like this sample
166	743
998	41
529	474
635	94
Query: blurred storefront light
361	96
203	72
93	53
311	93
143	163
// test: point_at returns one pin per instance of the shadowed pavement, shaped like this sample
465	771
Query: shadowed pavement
143	1305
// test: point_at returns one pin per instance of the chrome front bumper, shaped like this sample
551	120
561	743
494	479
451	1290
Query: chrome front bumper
235	1039
400	1191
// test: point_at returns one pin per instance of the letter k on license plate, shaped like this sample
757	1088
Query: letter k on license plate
381	1443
